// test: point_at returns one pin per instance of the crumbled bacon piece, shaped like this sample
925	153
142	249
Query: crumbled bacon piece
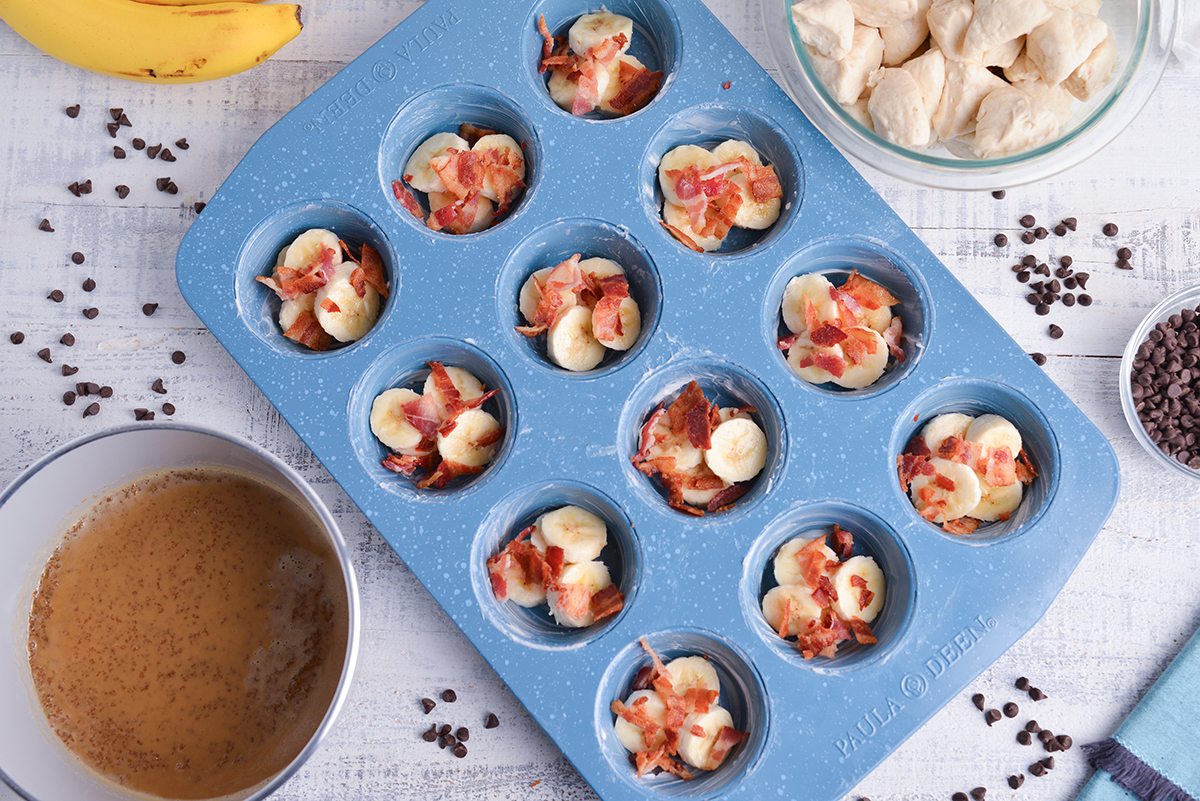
868	293
727	738
547	42
308	332
910	466
606	319
683	238
330	306
892	335
944	482
785	343
844	541
764	183
407	464
827	335
1025	470
407	200
822	636
637	87
862	631
961	525
999	469
503	169
289	283
607	601
473	133
726	497
460	170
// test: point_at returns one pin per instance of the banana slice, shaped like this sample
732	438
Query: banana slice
591	30
469	387
816	289
997	503
563	90
309	245
531	293
739	450
631	325
528	595
694	496
751	214
290	310
417	172
614	82
570	343
695	748
581	534
812	373
995	432
877	319
733	413
797	598
692	672
679	448
388	423
503	143
681	158
677	217
787	567
483	209
280	259
850	595
461	444
937	430
570	598
953	503
632	737
340	311
600	267
866	372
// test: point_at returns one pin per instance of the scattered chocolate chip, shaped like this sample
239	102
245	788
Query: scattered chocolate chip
91	312
991	716
116	113
1082	279
68	398
1016	780
139	144
145	414
166	155
73	111
977	699
1028	221
44	355
1110	229
1040	232
168	409
182	143
1034	298
1034	692
1053	745
1042	309
1123	264
106	392
1043	269
118	152
1030	260
1024	737
1001	240
449	696
1045	735
198	206
463	734
1055	333
112	129
1124	253
172	189
1064	742
152	151
16	337
88	284
428	704
44	225
1066	261
999	194
124	120
73	188
68	339
491	721
81	389
1054	286
85	188
92	410
148	309
1085	299
178	357
979	793
69	370
1070	282
460	750
1037	769
1071	223
1011	710
449	740
1048	763
1060	230
122	191
431	734
77	257
161	183
158	387
1027	237
444	729
56	295
1023	276
92	388
1062	272
959	797
1068	299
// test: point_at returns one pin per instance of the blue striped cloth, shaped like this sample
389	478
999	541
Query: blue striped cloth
1155	754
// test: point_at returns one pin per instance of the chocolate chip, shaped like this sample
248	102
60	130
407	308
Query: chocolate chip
460	750
463	734
1045	736
68	398
1053	745
106	392
124	120
1028	221
116	113
56	295
68	339
1068	299
92	410
977	699
1064	742
1043	269
1041	233
198	206
68	370
44	225
1023	276
1037	769
168	409
1034	692
1055	333
112	129
143	414
148	309
1030	260
85	188
16	337
1054	286
178	357
1071	223
1027	237
449	740
1085	300
1124	253
92	388
77	257
1123	264
991	716
73	111
428	704
1110	229
1038	358
139	144
161	183
1048	763
73	188
959	797
182	143
1070	282
1062	272
172	189
152	151
979	793
999	194
1042	309
122	191
491	721
431	734
1032	726
1034	298
1016	780
1060	230
449	696
166	155
1001	240
1011	710
444	729
158	387
118	152
91	312
88	284
1024	737
1066	261
81	389
44	355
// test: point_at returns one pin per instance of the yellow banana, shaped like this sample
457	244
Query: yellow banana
154	43
190	2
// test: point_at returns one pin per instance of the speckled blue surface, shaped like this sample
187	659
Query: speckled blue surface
953	605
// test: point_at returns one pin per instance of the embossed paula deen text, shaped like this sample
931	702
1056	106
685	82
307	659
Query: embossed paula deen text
958	645
425	37
867	726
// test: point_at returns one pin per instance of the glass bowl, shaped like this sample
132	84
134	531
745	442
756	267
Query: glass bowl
1173	304
1145	30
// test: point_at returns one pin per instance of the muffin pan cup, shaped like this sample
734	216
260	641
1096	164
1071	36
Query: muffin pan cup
964	601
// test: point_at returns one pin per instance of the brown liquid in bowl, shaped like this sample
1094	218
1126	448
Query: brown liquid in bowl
188	634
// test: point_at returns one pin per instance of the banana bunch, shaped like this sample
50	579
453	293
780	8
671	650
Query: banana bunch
156	41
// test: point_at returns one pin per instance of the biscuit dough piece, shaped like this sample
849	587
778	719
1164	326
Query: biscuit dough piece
1093	74
999	21
847	78
1059	46
879	13
966	87
929	70
858	110
827	26
897	108
1003	55
903	39
1012	121
1021	70
948	23
1056	98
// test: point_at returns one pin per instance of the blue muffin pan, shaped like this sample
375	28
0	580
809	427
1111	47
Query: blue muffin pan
954	604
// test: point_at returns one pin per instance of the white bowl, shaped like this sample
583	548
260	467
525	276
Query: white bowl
34	513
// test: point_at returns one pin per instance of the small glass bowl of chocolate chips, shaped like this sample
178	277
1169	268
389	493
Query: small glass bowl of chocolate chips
1160	382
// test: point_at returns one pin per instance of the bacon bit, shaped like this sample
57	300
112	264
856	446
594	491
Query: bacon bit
826	591
854	348
844	541
822	637
683	238
547	42
609	49
811	560
999	470
606	319
862	632
867	292
944	482
960	450
785	619
961	525
910	466
329	306
530	331
726	497
727	84
424	414
607	601
698	731
636	715
892	335
290	283
689	415
456	217
1026	472
503	168
460	171
866	336
682	506
553	565
830	364
865	596
646	439
785	343
826	335
727	738
616	286
473	133
638	86
764	184
648	760
643	678
407	200
587	90
917	446
698	699
446	472
407	464
308	332
520	554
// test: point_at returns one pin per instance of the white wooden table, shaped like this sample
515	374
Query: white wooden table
1122	616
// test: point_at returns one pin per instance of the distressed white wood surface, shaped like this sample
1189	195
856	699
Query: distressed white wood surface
1123	614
